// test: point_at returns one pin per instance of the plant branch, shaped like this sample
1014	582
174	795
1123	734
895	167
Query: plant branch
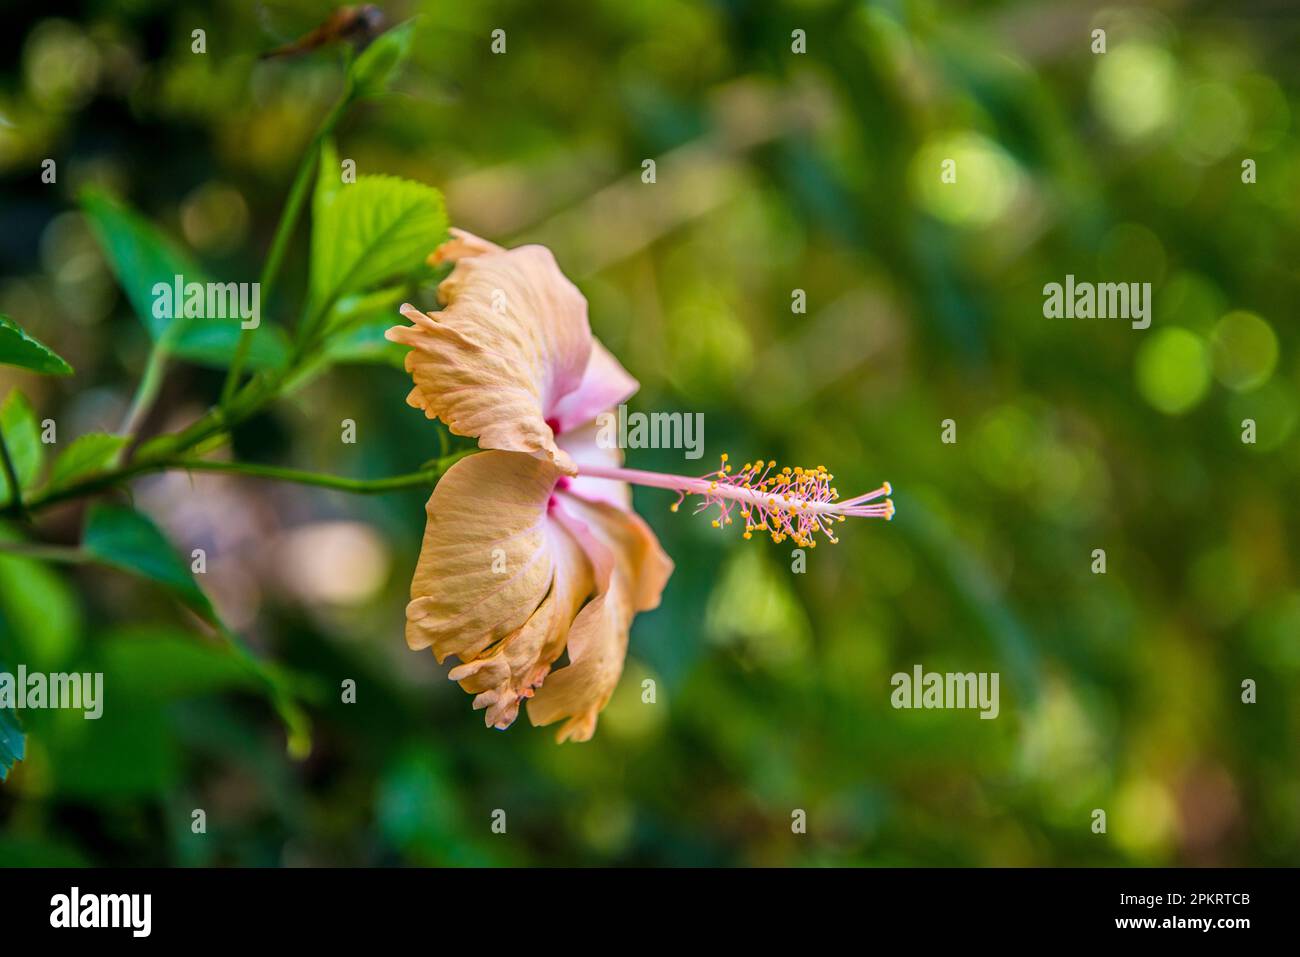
11	474
283	232
146	391
423	478
45	553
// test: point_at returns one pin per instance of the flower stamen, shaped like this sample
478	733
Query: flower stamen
787	504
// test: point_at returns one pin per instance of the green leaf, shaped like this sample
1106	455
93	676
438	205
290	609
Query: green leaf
381	304
355	334
141	257
212	342
23	437
373	71
39	611
139	254
161	663
17	348
357	327
329	179
13	744
86	456
129	751
366	344
370	230
122	537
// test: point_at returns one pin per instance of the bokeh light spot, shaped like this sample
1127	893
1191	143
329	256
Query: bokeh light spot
1173	370
1213	123
987	179
1245	351
214	218
1133	89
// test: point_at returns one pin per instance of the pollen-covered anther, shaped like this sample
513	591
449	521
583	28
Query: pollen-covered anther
790	503
793	503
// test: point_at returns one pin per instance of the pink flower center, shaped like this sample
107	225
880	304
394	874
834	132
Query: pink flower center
561	484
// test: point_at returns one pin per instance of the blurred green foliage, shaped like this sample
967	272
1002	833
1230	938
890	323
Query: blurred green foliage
775	172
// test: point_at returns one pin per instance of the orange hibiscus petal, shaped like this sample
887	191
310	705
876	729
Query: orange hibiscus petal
631	571
511	343
509	671
462	245
605	383
487	561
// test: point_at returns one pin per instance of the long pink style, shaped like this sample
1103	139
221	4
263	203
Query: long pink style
789	503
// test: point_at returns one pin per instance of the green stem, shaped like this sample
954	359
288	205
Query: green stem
307	330
157	455
146	391
90	486
11	474
247	401
423	478
45	553
283	232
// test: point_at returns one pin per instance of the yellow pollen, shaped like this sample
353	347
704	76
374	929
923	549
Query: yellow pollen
799	500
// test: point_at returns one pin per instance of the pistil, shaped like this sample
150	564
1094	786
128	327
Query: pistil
787	503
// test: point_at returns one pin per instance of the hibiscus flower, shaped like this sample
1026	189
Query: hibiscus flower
531	548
